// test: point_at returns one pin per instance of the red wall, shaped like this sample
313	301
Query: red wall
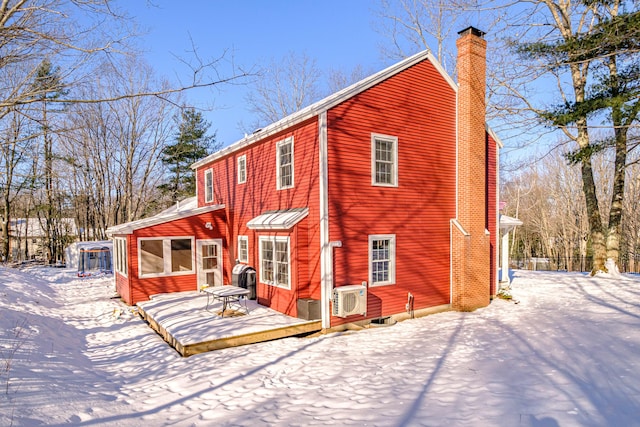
419	107
135	289
259	194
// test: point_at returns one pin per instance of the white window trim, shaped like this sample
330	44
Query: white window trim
392	258
246	240
120	256
166	257
208	190
275	239
394	139
288	140
242	160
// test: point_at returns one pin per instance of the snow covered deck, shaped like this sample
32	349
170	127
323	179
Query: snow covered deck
182	319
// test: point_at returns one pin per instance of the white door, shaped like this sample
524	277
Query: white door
209	264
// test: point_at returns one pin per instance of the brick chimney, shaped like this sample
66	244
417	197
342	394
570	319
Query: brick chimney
470	239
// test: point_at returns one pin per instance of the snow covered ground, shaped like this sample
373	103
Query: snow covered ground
567	355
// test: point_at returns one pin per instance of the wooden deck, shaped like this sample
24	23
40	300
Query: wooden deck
181	319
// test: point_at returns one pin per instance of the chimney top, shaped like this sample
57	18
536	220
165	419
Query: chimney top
472	30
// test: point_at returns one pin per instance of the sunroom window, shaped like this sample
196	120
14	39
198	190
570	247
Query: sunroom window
166	256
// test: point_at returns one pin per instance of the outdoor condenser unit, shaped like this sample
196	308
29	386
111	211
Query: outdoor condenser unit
349	300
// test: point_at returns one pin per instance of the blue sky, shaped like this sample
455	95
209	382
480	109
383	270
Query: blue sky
337	34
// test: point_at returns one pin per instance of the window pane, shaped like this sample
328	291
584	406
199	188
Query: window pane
208	186
181	255
384	161
381	258
209	263
242	169
151	257
267	261
285	160
282	263
243	250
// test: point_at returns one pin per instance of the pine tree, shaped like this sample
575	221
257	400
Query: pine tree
49	86
610	50
191	144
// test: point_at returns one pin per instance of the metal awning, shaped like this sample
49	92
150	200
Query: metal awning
278	220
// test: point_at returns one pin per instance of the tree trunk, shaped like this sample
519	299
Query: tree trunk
617	198
593	215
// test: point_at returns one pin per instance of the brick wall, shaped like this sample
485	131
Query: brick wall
470	241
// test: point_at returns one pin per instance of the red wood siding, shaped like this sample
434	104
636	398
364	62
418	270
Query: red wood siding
259	194
142	288
419	108
492	214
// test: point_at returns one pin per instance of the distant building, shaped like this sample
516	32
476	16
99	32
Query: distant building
27	237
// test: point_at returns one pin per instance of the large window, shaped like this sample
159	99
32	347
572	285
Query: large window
382	259
384	160
284	163
208	186
242	169
120	255
166	256
275	268
243	249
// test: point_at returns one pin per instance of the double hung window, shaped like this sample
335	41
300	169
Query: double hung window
275	268
384	160
382	259
243	249
208	186
242	169
284	164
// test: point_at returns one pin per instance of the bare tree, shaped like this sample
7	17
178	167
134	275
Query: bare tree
415	25
115	148
284	87
31	30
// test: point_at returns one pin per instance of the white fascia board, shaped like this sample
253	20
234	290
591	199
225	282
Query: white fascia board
494	136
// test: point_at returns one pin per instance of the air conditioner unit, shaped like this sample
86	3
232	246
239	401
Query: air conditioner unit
349	300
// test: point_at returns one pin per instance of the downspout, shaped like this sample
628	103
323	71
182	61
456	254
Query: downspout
326	258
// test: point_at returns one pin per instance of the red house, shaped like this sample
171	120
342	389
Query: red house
375	201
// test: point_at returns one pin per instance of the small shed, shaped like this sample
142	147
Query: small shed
90	257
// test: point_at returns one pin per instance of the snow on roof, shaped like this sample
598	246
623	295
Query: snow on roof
329	102
183	209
